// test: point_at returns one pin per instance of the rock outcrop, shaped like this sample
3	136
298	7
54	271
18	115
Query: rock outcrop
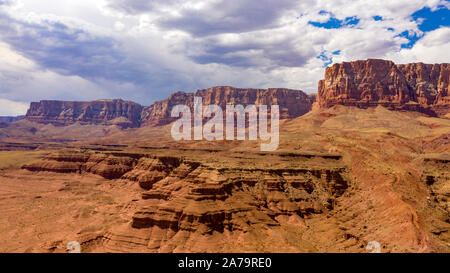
108	112
415	87
185	199
436	175
293	103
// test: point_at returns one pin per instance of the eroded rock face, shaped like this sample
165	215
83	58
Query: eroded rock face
293	103
415	87
221	198
62	113
185	199
436	174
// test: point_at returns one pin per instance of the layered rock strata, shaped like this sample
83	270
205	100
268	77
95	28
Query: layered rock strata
106	112
413	87
184	198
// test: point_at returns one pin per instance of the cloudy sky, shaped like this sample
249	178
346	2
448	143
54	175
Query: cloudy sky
144	50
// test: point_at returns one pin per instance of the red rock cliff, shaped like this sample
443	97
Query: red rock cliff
293	103
61	113
418	87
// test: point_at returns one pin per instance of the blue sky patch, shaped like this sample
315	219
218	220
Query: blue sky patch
327	60
413	38
427	20
334	23
432	20
378	18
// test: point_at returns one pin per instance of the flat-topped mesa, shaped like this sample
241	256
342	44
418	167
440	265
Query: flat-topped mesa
10	119
417	86
106	112
293	103
6	120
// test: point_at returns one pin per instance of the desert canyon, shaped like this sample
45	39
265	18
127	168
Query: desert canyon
365	159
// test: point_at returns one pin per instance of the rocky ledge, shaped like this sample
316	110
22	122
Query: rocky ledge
293	103
106	112
184	198
413	87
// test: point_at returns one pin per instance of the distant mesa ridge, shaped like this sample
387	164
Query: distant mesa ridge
62	113
413	87
410	87
9	119
293	103
6	120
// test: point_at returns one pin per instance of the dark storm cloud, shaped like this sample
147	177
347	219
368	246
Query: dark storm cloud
280	54
139	6
227	16
72	51
55	46
239	17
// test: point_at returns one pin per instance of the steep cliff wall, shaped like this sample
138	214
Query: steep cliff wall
293	103
62	113
416	87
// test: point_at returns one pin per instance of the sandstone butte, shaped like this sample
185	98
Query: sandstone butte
369	163
415	87
63	113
